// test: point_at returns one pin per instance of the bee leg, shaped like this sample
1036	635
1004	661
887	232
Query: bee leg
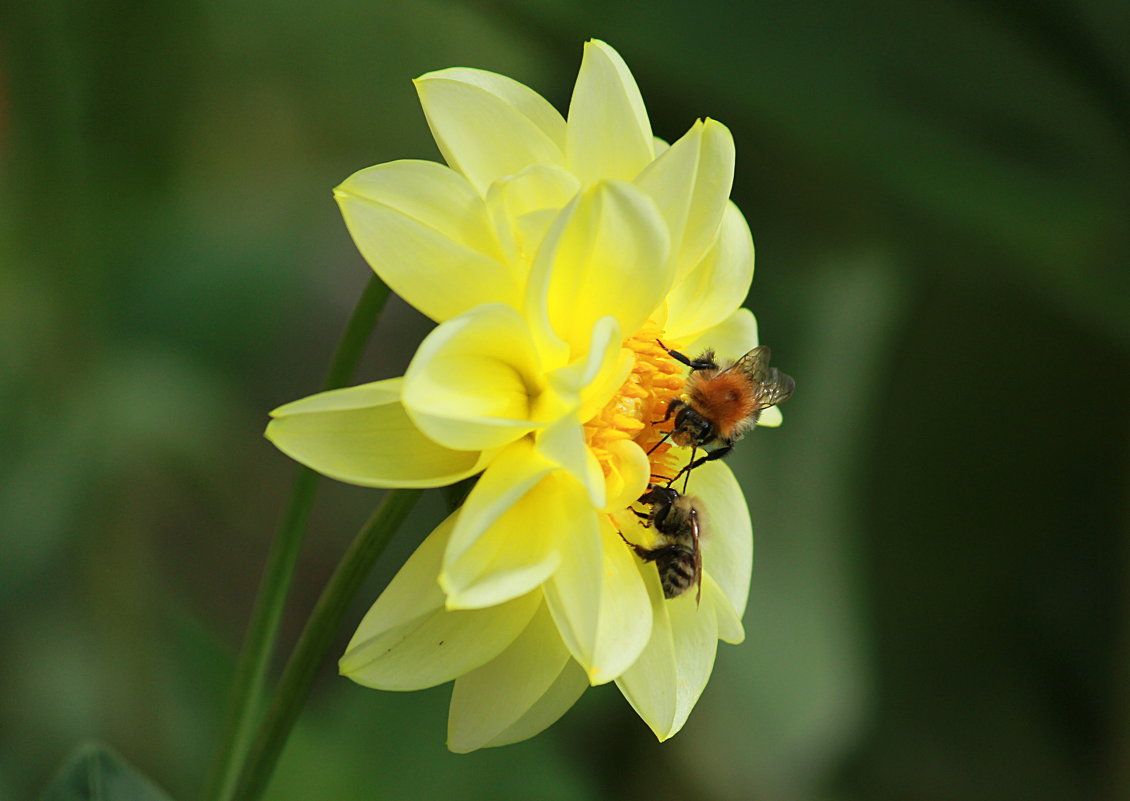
694	364
676	477
646	554
710	457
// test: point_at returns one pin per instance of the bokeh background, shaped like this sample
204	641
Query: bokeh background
940	197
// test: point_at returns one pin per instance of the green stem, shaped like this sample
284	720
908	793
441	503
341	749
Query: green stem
263	630
316	639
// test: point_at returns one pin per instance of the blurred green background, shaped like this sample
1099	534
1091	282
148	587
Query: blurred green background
940	196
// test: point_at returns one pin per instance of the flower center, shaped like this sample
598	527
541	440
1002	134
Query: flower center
636	411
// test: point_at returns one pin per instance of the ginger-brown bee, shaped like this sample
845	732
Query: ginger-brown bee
677	520
723	402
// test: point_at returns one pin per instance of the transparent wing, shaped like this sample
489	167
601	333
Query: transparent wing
754	364
776	388
697	556
769	384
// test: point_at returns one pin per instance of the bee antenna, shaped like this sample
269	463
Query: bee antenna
687	480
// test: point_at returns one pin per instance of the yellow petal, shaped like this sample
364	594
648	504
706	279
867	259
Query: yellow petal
770	418
437	647
727	533
519	550
608	135
691	185
472	381
489	126
730	628
426	233
563	443
512	474
524	205
717	285
362	435
606	255
580	390
408	641
667	679
571	683
628	476
493	700
413	591
591	380
600	604
732	338
429	193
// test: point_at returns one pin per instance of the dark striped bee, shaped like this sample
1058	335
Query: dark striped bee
677	520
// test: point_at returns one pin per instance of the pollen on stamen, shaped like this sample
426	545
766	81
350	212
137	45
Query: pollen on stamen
636	411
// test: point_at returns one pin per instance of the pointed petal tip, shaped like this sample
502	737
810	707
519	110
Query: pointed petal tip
600	44
734	640
274	414
445	585
271	434
430	75
598	675
456	600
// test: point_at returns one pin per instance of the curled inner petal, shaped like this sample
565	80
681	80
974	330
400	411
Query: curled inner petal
633	418
474	380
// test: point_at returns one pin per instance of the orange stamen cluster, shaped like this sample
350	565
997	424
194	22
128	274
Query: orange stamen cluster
636	410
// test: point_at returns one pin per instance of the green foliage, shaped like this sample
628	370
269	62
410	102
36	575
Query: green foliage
95	773
939	194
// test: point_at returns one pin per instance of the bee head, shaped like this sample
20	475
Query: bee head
691	428
685	509
660	496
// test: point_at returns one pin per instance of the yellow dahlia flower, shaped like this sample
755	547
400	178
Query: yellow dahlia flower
554	256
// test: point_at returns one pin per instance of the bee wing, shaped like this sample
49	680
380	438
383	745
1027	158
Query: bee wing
754	364
770	384
697	556
776	388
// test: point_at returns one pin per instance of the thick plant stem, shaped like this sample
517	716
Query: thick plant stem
262	633
316	639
